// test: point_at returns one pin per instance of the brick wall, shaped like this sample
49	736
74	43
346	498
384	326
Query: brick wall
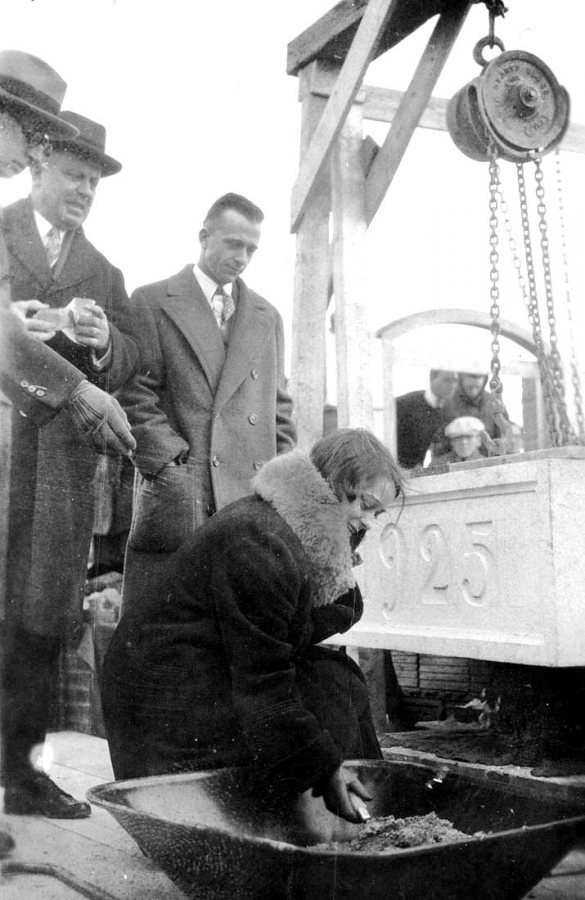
433	685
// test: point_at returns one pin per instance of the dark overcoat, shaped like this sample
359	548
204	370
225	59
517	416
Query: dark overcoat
222	410
220	669
53	467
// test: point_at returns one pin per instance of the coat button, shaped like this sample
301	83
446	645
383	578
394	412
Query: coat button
258	464
24	384
253	419
31	388
40	393
255	374
215	461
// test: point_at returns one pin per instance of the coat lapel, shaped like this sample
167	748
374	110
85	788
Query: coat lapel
187	306
24	241
248	335
77	261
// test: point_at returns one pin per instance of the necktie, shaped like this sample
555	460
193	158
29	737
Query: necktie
223	307
53	246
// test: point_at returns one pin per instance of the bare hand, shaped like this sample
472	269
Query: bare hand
343	796
38	328
92	328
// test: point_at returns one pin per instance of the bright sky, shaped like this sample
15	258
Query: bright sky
196	101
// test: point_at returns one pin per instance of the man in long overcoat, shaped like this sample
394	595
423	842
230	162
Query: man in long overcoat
53	467
210	404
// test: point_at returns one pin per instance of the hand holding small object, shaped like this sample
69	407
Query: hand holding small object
91	328
343	797
31	314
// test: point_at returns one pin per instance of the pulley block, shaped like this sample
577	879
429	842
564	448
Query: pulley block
515	105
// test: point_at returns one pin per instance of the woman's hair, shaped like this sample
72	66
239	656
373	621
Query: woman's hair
348	457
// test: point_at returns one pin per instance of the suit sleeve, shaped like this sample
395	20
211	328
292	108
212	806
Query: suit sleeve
123	360
34	377
157	442
286	434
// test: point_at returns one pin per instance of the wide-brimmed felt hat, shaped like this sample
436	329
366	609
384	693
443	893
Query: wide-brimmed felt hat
89	143
29	85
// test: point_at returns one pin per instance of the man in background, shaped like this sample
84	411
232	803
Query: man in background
210	404
420	414
51	263
472	399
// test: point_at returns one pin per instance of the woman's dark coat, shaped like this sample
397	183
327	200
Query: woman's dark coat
223	669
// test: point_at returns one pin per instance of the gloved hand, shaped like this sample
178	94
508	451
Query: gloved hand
101	417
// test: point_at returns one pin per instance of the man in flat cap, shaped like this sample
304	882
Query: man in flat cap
466	436
74	302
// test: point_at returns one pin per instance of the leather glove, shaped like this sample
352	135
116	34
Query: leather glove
102	419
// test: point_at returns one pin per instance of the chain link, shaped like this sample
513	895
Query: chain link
567	433
496	386
546	376
576	375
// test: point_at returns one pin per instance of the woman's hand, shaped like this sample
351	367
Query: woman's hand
344	797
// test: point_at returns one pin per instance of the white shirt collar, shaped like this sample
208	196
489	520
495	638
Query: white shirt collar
433	400
44	226
208	285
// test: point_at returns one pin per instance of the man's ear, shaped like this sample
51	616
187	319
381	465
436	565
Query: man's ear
203	235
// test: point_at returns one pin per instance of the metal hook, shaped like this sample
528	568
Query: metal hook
489	41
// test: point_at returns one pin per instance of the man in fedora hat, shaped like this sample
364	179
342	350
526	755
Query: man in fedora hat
80	310
37	380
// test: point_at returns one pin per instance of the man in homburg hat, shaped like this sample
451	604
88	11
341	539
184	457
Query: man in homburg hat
38	380
76	301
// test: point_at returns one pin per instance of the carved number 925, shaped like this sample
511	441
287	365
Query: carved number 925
462	568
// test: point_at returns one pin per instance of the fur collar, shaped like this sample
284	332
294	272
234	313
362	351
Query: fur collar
299	494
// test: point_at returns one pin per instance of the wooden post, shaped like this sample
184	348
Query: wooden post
312	276
353	339
388	398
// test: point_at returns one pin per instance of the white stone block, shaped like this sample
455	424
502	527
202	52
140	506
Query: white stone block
486	560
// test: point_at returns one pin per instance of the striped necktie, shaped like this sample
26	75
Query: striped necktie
53	246
223	308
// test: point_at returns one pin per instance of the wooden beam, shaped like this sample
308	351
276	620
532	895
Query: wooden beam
342	96
353	339
311	286
475	318
330	37
413	105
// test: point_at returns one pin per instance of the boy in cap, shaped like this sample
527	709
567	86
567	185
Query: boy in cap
465	434
51	263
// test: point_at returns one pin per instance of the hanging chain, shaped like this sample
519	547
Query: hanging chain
567	432
559	426
576	375
546	378
496	385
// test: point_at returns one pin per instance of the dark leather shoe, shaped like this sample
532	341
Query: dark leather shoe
39	796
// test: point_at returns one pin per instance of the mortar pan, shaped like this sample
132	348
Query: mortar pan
220	840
